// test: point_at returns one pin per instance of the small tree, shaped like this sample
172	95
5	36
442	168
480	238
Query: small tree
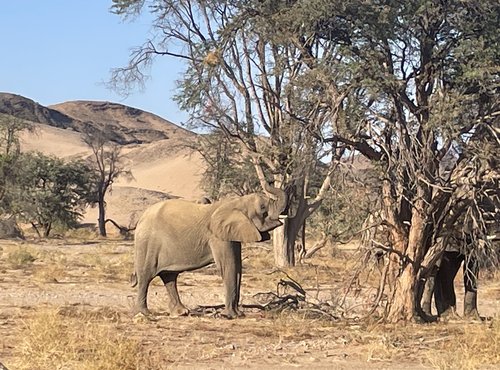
49	191
106	162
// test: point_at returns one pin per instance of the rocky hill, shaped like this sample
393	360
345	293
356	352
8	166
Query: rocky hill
157	151
127	125
132	125
24	108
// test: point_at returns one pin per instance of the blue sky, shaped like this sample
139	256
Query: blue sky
59	50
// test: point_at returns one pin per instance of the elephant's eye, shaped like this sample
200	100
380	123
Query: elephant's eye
265	214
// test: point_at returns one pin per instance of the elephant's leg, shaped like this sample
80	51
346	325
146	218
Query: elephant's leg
426	302
444	289
141	304
228	259
176	308
471	271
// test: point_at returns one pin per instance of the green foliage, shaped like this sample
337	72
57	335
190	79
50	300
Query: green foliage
49	191
351	198
10	127
10	150
226	172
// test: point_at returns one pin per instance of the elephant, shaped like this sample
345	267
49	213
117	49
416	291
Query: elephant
176	235
441	285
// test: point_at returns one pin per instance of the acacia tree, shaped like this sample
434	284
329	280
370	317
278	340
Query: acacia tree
257	82
106	162
39	189
405	84
49	191
226	171
425	88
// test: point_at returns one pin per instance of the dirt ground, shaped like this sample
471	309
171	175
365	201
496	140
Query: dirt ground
65	304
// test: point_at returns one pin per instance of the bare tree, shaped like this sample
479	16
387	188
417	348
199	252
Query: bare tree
106	161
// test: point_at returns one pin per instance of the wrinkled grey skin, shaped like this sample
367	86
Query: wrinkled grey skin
176	235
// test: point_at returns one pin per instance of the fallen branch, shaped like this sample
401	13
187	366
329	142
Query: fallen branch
124	231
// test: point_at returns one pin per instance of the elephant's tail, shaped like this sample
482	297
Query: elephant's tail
133	279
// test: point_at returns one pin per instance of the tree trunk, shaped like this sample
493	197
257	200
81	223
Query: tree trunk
405	304
102	217
284	239
284	253
283	246
402	307
47	229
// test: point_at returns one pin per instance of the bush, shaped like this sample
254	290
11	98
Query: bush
20	258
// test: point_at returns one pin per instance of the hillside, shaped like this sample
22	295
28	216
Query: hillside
156	151
132	124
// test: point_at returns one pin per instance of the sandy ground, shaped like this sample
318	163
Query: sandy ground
90	278
54	141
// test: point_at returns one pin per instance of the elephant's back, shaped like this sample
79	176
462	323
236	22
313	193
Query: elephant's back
171	214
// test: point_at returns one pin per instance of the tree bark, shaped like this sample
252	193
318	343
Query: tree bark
402	307
405	304
102	217
284	253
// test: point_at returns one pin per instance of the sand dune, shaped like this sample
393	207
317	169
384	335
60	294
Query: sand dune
164	167
178	175
62	143
167	166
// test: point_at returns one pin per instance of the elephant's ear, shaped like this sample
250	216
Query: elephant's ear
233	225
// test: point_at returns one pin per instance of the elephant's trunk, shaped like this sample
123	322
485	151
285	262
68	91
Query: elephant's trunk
279	204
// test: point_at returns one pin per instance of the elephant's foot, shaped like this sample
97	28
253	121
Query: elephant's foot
231	313
425	313
449	315
143	314
425	317
141	310
472	315
141	318
179	310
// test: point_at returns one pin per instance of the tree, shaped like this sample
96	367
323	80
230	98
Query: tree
50	191
105	161
10	150
255	86
39	189
425	85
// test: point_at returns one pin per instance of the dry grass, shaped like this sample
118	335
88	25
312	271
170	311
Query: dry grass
53	339
109	267
21	257
79	330
473	347
50	274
